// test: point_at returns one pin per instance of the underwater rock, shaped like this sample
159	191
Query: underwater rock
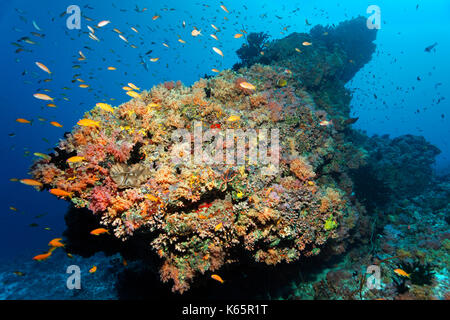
322	69
397	166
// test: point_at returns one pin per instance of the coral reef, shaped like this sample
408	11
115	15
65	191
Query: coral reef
155	172
409	232
198	213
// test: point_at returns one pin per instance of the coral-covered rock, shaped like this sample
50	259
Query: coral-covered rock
199	212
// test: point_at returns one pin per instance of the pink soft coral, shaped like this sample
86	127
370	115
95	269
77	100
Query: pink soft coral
120	152
100	199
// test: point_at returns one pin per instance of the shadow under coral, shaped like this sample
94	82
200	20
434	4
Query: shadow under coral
245	279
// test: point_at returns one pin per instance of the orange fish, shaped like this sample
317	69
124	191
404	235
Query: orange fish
31	182
402	273
99	231
56	243
88	123
21	120
60	193
93	269
224	9
43	67
56	124
75	159
247	85
238	35
42	96
217	278
218	51
42	257
306	43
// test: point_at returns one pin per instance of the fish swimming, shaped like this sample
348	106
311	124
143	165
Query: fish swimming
88	123
56	243
402	273
60	193
42	257
217	278
99	231
31	182
429	48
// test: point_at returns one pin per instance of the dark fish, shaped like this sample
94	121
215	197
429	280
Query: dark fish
144	63
428	49
351	120
37	34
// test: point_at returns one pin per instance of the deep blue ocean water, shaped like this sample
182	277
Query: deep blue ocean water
398	64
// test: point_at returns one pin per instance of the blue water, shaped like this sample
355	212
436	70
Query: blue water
393	71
